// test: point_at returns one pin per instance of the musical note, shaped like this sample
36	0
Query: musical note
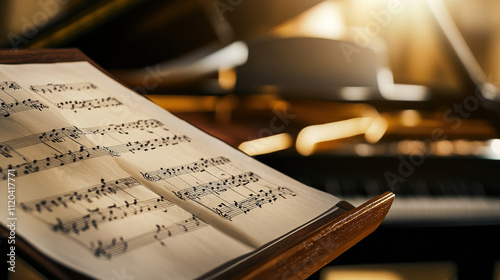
158	233
59	134
89	104
146	145
6	150
6	85
197	166
58	160
125	127
105	188
253	201
83	153
53	88
54	135
217	187
6	109
110	214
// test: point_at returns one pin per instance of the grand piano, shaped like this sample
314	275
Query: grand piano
352	98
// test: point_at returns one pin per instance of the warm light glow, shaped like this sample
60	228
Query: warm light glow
227	79
411	147
364	150
267	145
391	91
376	130
399	271
230	56
463	147
363	275
323	20
355	93
410	118
311	135
495	146
224	108
443	148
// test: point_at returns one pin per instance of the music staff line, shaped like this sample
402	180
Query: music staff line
217	187
52	88
88	194
194	167
74	105
89	104
111	213
7	109
95	217
160	233
229	211
82	154
125	127
74	133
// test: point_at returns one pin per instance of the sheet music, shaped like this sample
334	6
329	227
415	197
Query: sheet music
106	180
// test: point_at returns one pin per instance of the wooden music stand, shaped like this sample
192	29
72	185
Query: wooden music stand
297	255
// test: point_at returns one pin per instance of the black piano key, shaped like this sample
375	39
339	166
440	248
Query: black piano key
462	188
371	187
491	187
436	188
476	188
450	188
332	186
420	188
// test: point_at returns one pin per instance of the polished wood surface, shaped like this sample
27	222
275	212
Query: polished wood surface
323	243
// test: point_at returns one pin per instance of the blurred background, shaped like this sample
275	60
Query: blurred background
351	97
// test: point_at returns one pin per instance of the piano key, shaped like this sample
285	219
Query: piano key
465	210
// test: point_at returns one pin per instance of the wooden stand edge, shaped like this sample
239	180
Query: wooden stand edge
319	247
327	242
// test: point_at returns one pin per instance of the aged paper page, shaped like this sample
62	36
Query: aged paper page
106	181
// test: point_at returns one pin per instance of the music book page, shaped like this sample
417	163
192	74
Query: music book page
107	183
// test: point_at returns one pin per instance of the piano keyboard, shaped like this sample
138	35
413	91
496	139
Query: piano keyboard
454	191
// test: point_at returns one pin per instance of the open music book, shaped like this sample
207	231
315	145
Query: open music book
107	183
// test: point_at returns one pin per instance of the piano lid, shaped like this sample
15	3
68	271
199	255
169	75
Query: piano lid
137	33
